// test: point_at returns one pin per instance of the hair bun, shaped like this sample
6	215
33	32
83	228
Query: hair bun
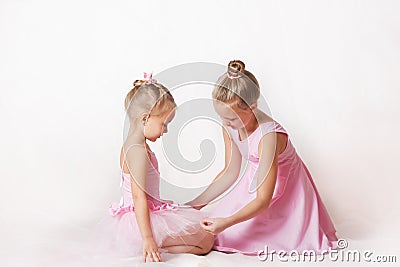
139	83
235	68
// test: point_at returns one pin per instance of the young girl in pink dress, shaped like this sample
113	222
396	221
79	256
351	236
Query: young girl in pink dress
142	223
276	203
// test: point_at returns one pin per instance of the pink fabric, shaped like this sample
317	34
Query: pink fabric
119	233
296	218
117	210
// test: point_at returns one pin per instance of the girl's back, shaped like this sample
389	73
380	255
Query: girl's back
152	180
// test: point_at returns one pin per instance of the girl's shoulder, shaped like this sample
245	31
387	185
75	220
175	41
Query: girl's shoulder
282	137
267	124
271	126
126	147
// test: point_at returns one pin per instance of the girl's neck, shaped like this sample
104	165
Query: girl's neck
255	120
134	138
250	126
135	135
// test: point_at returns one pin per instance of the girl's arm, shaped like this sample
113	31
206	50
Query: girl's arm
266	180
225	178
137	161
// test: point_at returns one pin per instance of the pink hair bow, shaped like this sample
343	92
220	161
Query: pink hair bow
148	77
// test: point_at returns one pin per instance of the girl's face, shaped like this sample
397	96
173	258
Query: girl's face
232	115
157	125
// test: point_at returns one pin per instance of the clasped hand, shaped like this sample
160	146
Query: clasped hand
214	225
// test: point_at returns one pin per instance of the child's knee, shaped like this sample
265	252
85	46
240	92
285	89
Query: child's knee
207	243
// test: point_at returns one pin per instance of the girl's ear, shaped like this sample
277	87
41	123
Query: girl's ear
253	106
145	118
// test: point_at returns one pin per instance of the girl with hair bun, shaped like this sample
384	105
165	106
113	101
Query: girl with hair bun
275	203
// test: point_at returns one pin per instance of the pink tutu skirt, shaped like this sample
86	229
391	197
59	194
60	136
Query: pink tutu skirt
119	233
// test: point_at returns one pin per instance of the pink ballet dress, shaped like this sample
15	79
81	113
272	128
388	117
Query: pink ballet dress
119	233
296	218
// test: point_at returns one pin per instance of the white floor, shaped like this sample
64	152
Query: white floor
40	242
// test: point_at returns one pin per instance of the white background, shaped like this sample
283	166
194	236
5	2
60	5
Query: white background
329	70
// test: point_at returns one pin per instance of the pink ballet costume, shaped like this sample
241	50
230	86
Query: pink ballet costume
296	218
119	233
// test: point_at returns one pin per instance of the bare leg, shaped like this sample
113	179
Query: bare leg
200	243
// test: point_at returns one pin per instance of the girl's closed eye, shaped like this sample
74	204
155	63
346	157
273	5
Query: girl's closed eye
229	119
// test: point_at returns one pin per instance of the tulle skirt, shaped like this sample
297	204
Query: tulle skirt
119	234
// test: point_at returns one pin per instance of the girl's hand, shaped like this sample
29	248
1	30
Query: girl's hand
215	225
195	206
150	250
199	207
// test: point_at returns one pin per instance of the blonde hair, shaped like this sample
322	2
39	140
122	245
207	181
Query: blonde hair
237	86
151	97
